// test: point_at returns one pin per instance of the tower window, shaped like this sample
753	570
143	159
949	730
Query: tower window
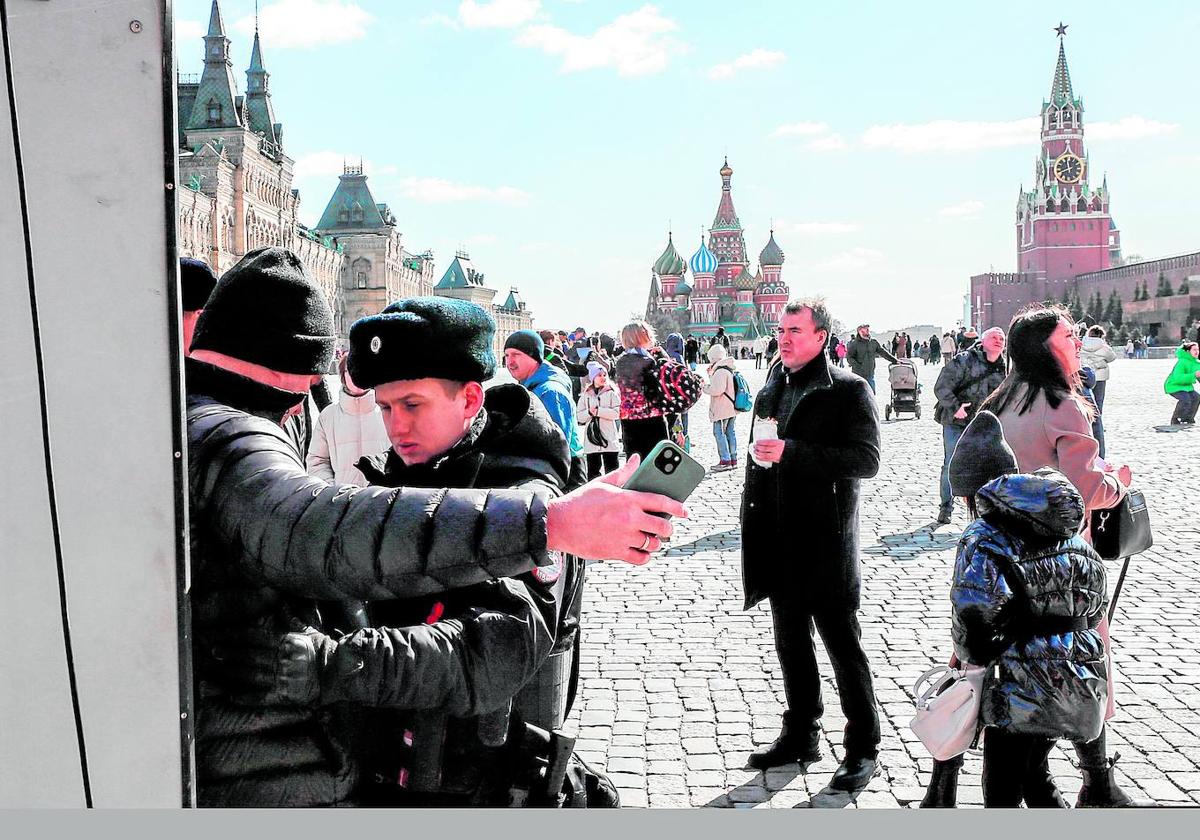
214	111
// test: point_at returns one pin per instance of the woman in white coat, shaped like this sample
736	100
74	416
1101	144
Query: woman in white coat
721	392
1096	354
344	432
599	400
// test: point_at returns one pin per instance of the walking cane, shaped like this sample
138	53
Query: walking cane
1112	605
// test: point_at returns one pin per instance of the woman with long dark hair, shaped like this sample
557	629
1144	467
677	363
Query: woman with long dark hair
1048	423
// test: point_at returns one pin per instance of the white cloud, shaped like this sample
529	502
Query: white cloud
801	129
439	19
326	163
952	135
1128	128
441	191
757	57
498	14
635	44
818	228
965	135
856	259
188	30
961	210
828	143
307	23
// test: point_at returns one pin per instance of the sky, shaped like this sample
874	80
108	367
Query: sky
558	141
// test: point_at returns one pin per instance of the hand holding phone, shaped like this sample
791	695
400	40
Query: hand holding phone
668	471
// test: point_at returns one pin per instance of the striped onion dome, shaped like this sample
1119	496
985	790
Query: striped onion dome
670	264
772	254
704	261
745	281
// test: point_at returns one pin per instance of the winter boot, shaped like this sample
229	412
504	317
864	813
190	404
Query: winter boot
792	745
943	786
945	513
1100	788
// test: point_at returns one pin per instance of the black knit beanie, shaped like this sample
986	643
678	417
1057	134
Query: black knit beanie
196	282
420	338
982	454
266	311
529	343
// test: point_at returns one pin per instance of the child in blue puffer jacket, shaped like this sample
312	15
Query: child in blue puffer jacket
1026	597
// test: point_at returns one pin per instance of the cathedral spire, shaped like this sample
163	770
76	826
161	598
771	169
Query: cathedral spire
216	24
260	113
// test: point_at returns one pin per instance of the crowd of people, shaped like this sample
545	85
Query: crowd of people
388	595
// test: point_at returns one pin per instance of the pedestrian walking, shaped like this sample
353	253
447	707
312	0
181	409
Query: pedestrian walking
721	412
346	431
643	423
949	348
772	348
800	540
524	358
1096	354
1181	384
861	353
760	347
598	411
961	387
1048	423
691	352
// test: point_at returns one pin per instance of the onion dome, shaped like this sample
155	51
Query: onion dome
726	171
670	264
772	254
704	261
682	288
745	281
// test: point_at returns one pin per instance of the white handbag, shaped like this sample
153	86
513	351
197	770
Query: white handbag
948	701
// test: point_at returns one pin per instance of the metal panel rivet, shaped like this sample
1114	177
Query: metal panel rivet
135	26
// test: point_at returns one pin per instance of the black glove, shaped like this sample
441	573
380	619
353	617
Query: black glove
269	668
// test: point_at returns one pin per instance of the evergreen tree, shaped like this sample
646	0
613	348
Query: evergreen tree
1076	308
1095	308
1119	313
1183	287
1110	308
1164	287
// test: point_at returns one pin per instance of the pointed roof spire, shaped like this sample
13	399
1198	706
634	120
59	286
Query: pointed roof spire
1060	89
216	25
256	62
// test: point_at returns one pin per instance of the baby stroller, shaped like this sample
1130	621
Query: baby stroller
906	390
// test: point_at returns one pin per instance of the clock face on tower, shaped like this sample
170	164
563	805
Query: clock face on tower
1068	169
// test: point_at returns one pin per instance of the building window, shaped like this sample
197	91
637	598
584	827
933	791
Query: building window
214	111
1072	226
1054	227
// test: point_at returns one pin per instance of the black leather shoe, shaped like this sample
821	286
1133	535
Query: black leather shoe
854	774
786	749
945	514
943	784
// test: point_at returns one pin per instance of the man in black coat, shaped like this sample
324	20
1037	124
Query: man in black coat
861	352
962	386
800	539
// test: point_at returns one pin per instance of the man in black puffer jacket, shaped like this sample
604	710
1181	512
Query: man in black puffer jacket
268	541
962	386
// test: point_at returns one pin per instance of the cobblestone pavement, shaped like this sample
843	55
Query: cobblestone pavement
680	684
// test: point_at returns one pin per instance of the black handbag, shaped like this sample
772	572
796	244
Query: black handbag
1124	530
1121	532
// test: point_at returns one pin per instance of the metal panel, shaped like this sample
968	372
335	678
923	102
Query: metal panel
96	150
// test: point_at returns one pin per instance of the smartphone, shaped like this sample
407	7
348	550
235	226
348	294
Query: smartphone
667	470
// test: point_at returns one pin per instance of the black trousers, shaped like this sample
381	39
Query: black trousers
640	436
794	624
599	463
578	475
1010	761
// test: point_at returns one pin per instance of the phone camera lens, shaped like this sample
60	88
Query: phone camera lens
669	468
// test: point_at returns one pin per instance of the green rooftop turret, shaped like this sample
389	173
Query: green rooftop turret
259	111
670	264
352	208
215	104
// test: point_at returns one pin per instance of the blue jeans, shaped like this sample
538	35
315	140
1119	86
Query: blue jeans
950	436
871	382
725	431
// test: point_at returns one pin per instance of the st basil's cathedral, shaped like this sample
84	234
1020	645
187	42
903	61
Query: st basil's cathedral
722	292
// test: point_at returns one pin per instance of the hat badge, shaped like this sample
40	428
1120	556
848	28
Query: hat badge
376	343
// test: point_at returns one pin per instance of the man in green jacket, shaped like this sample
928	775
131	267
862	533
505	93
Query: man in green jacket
861	353
1181	384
